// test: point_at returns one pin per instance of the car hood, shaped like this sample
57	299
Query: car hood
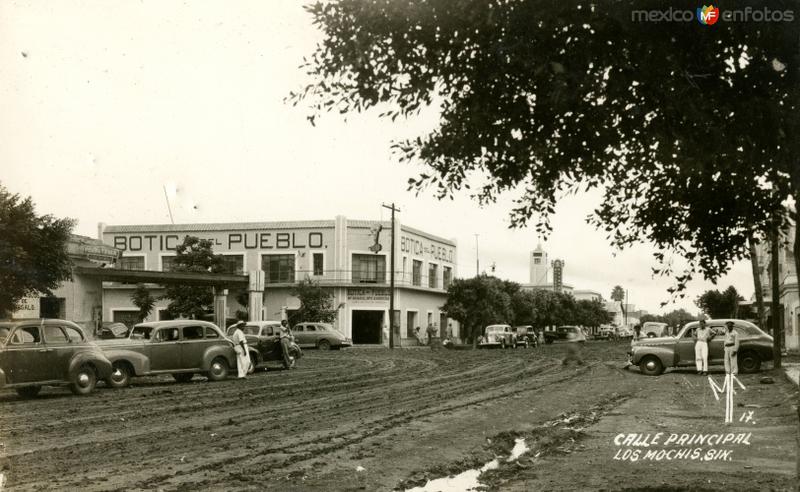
652	342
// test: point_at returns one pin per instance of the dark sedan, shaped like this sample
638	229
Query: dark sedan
35	353
653	355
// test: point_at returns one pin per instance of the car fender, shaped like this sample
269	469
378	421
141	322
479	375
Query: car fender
139	361
254	354
225	351
666	354
100	362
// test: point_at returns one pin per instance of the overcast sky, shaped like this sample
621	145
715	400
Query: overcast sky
104	103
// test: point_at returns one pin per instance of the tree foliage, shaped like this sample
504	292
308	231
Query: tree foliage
484	300
690	131
33	255
718	304
316	303
191	301
142	299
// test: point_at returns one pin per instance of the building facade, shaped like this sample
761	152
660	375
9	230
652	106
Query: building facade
787	287
351	258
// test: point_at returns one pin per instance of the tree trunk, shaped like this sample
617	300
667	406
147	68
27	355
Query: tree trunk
754	261
775	305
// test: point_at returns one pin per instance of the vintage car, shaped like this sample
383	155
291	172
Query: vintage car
39	352
263	341
182	348
653	355
565	334
526	336
319	335
498	336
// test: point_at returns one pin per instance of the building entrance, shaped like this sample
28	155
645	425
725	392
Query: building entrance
52	307
367	327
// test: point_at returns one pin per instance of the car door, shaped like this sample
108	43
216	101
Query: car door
193	345
28	359
165	353
716	346
684	348
61	346
301	334
268	339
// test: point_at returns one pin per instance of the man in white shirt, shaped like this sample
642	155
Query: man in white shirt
702	334
731	348
240	347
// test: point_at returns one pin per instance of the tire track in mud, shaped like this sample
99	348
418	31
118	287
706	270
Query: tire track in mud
361	403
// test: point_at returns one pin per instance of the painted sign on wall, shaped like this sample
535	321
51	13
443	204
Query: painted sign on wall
227	241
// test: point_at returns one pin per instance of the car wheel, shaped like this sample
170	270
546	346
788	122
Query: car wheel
749	362
218	370
183	377
29	391
253	364
324	345
83	381
120	376
651	365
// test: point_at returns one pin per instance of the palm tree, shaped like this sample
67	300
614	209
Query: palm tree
618	294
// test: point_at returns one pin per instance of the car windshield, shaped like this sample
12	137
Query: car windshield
141	332
250	330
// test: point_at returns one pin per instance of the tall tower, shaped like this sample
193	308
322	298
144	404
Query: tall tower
538	266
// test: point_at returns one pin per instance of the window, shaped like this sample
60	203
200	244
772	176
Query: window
26	334
167	263
233	264
311	328
166	335
447	277
318	268
131	263
369	269
141	333
192	332
537	261
278	268
250	330
298	328
416	273
53	334
433	275
211	333
73	334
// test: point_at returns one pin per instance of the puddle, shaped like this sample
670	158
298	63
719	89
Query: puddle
468	480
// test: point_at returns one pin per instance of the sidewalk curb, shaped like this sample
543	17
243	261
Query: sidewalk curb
792	371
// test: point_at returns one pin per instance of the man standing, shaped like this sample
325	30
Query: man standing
701	336
286	344
240	347
731	348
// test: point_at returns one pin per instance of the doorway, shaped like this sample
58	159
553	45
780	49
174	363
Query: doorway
367	327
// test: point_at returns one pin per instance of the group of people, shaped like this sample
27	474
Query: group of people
243	361
701	336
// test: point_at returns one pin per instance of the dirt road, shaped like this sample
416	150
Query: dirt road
374	419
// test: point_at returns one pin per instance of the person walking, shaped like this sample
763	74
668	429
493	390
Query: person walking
731	348
701	336
431	332
240	347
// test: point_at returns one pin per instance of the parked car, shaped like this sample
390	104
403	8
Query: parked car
565	334
320	335
35	353
263	340
501	336
653	329
606	331
182	348
526	335
653	355
111	330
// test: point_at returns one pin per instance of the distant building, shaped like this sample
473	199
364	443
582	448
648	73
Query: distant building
587	295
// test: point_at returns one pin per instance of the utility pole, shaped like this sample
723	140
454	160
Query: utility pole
477	258
391	278
775	306
625	311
